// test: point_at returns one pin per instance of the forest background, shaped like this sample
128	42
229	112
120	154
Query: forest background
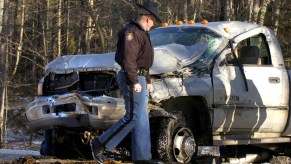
34	32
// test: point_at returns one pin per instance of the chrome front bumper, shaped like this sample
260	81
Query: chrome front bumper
73	110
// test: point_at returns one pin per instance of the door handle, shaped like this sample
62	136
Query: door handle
274	80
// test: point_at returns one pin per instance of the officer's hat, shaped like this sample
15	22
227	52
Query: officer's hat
153	8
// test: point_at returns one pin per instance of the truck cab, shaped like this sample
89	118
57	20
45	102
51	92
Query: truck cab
251	87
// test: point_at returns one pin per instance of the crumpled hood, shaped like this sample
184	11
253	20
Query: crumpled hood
171	57
168	58
90	62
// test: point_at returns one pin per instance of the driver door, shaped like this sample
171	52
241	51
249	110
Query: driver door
248	98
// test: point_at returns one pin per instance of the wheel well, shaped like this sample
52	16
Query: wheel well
196	113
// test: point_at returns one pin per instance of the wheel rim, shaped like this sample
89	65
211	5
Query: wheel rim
183	145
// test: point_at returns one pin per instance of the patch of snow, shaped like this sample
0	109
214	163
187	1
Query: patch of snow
19	152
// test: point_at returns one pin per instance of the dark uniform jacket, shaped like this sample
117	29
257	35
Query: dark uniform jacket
134	51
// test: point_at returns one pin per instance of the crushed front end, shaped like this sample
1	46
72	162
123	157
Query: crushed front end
75	96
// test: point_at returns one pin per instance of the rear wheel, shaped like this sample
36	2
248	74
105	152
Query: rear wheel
172	141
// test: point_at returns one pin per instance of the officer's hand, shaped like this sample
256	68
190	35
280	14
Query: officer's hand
150	87
137	87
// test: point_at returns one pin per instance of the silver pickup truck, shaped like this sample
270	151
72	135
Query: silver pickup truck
215	84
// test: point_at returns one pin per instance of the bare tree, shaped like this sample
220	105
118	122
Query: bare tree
256	9
276	16
20	42
199	8
1	13
45	26
227	10
250	10
165	12
215	7
191	10
59	28
116	20
140	1
3	54
95	17
90	33
182	10
263	10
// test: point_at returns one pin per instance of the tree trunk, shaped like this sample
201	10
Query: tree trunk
59	28
263	11
237	10
1	13
116	21
250	10
256	9
214	8
95	17
3	54
139	1
67	24
89	33
199	9
276	16
167	12
20	43
231	10
227	10
182	10
191	10
45	28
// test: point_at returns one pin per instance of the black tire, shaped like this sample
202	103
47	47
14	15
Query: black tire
64	146
172	141
46	147
70	146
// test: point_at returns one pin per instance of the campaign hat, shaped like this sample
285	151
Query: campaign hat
151	7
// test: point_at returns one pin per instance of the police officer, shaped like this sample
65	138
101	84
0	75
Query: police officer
135	55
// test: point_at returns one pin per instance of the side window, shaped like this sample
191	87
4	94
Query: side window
254	51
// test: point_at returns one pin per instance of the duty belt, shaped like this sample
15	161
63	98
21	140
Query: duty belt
142	71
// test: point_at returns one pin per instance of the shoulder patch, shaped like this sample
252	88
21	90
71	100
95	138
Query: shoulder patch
129	36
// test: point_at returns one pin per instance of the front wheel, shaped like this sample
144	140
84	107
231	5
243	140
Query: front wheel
65	145
172	141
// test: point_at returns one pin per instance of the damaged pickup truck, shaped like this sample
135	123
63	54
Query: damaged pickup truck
215	84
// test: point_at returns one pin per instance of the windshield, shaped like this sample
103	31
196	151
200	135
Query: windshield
189	36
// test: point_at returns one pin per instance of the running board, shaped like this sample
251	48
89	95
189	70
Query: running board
217	141
208	151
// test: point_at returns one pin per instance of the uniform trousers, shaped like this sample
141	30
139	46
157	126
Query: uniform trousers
135	121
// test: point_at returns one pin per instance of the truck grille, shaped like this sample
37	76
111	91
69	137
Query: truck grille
91	83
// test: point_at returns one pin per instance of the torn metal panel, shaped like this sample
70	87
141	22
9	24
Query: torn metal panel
166	88
194	85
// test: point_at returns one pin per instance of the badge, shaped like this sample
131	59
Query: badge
129	36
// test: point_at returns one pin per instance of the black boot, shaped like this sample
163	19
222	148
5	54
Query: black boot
97	150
